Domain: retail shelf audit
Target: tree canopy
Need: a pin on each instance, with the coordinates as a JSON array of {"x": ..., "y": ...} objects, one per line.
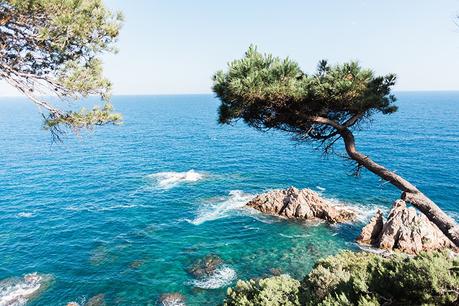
[
  {"x": 270, "y": 92},
  {"x": 52, "y": 48}
]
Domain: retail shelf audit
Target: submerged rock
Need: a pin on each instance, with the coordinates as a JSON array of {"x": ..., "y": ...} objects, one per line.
[
  {"x": 205, "y": 266},
  {"x": 97, "y": 300},
  {"x": 276, "y": 271},
  {"x": 304, "y": 204},
  {"x": 172, "y": 299},
  {"x": 405, "y": 230}
]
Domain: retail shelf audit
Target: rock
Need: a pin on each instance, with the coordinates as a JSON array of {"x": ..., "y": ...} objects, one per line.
[
  {"x": 302, "y": 204},
  {"x": 371, "y": 232},
  {"x": 275, "y": 271},
  {"x": 172, "y": 299},
  {"x": 406, "y": 230},
  {"x": 205, "y": 266},
  {"x": 136, "y": 264},
  {"x": 97, "y": 300}
]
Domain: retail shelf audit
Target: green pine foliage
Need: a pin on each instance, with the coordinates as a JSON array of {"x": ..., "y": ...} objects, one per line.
[
  {"x": 269, "y": 92},
  {"x": 52, "y": 48},
  {"x": 351, "y": 278}
]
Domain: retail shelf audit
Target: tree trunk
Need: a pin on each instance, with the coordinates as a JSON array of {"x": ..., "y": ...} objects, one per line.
[{"x": 409, "y": 192}]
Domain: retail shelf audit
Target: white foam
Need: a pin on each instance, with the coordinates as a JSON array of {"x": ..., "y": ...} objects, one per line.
[
  {"x": 453, "y": 215},
  {"x": 173, "y": 302},
  {"x": 320, "y": 188},
  {"x": 222, "y": 277},
  {"x": 25, "y": 215},
  {"x": 364, "y": 211},
  {"x": 213, "y": 211},
  {"x": 370, "y": 249},
  {"x": 168, "y": 180},
  {"x": 18, "y": 291}
]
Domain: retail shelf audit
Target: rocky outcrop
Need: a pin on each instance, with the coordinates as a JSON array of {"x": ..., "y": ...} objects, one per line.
[
  {"x": 205, "y": 266},
  {"x": 405, "y": 230},
  {"x": 304, "y": 204}
]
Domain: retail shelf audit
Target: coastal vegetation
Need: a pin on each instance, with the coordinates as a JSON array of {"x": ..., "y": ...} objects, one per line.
[
  {"x": 351, "y": 278},
  {"x": 268, "y": 92},
  {"x": 50, "y": 50}
]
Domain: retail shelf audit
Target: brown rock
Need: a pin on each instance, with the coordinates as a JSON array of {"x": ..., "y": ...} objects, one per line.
[
  {"x": 303, "y": 204},
  {"x": 406, "y": 230},
  {"x": 371, "y": 232}
]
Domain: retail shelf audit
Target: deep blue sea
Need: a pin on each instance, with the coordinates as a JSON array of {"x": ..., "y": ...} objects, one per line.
[{"x": 125, "y": 210}]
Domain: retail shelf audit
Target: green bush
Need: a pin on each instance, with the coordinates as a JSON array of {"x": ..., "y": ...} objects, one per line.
[
  {"x": 277, "y": 290},
  {"x": 360, "y": 279},
  {"x": 369, "y": 279}
]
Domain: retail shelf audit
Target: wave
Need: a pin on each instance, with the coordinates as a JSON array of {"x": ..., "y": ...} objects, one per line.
[
  {"x": 213, "y": 211},
  {"x": 222, "y": 277},
  {"x": 99, "y": 208},
  {"x": 322, "y": 189},
  {"x": 294, "y": 236},
  {"x": 168, "y": 180},
  {"x": 453, "y": 214},
  {"x": 18, "y": 291},
  {"x": 25, "y": 215}
]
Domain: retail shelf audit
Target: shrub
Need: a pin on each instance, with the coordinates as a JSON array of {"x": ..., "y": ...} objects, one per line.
[
  {"x": 276, "y": 290},
  {"x": 369, "y": 279},
  {"x": 351, "y": 278}
]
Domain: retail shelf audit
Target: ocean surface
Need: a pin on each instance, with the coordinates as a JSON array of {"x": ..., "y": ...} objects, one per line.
[{"x": 122, "y": 212}]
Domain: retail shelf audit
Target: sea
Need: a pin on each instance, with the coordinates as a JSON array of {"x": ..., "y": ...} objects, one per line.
[{"x": 121, "y": 213}]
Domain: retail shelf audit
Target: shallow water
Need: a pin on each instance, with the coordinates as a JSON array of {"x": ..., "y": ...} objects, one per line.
[{"x": 124, "y": 211}]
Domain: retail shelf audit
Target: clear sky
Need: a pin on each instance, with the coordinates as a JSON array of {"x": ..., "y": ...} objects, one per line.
[{"x": 173, "y": 47}]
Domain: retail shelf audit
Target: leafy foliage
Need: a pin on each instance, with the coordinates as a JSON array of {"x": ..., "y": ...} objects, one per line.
[
  {"x": 269, "y": 92},
  {"x": 427, "y": 279},
  {"x": 52, "y": 48},
  {"x": 361, "y": 279},
  {"x": 277, "y": 290}
]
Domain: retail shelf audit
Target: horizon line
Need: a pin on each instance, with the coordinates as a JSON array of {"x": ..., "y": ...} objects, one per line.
[{"x": 210, "y": 93}]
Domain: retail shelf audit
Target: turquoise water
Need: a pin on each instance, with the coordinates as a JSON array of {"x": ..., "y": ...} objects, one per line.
[{"x": 118, "y": 211}]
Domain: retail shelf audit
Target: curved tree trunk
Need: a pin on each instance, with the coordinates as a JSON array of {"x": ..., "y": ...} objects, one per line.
[{"x": 410, "y": 193}]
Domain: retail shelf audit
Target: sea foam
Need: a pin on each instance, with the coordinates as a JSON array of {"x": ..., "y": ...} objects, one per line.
[
  {"x": 25, "y": 215},
  {"x": 364, "y": 211},
  {"x": 18, "y": 291},
  {"x": 222, "y": 277},
  {"x": 213, "y": 211},
  {"x": 168, "y": 180}
]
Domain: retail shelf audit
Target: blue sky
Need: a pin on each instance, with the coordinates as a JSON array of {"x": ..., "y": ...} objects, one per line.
[{"x": 172, "y": 47}]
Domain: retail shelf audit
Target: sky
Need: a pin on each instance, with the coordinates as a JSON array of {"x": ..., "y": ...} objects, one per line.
[{"x": 174, "y": 47}]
